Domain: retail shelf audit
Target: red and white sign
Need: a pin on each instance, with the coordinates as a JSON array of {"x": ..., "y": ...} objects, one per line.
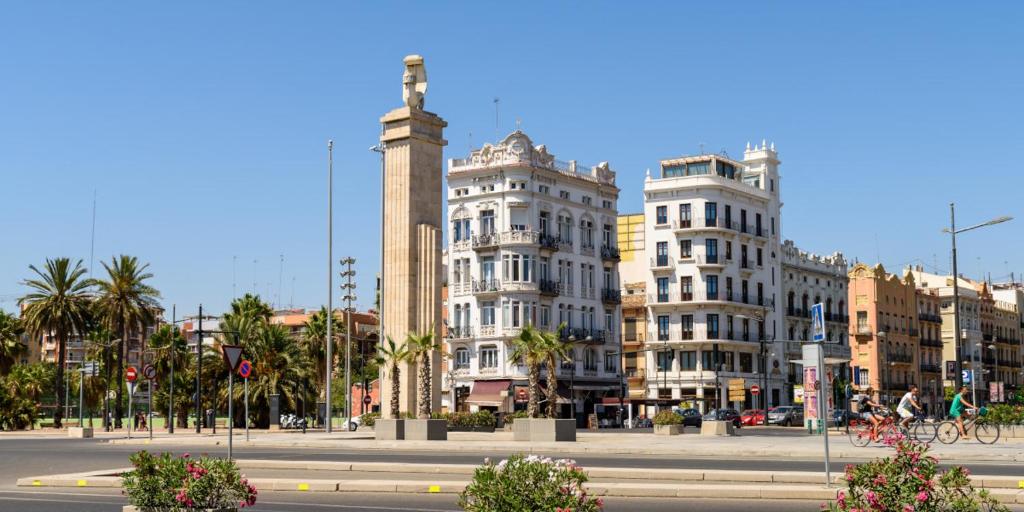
[
  {"x": 755, "y": 390},
  {"x": 131, "y": 374}
]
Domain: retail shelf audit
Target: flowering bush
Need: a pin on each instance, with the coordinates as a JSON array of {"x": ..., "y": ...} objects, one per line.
[
  {"x": 910, "y": 482},
  {"x": 668, "y": 418},
  {"x": 1003, "y": 414},
  {"x": 528, "y": 484},
  {"x": 170, "y": 483}
]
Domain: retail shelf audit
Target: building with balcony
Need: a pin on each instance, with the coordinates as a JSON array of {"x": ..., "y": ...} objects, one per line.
[
  {"x": 712, "y": 242},
  {"x": 531, "y": 241},
  {"x": 1010, "y": 326},
  {"x": 884, "y": 331},
  {"x": 930, "y": 339},
  {"x": 809, "y": 279}
]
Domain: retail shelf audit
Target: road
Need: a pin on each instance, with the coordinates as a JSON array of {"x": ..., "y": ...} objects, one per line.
[{"x": 31, "y": 457}]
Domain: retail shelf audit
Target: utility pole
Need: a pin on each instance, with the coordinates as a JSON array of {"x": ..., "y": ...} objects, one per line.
[
  {"x": 170, "y": 407},
  {"x": 957, "y": 349},
  {"x": 379, "y": 148},
  {"x": 330, "y": 280},
  {"x": 199, "y": 373},
  {"x": 349, "y": 296}
]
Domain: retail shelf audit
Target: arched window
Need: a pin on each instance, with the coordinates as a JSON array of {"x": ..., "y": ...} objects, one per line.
[
  {"x": 462, "y": 358},
  {"x": 828, "y": 307},
  {"x": 790, "y": 299},
  {"x": 805, "y": 306},
  {"x": 842, "y": 307}
]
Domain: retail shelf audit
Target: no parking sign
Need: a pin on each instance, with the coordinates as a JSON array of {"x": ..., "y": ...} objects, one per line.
[{"x": 245, "y": 369}]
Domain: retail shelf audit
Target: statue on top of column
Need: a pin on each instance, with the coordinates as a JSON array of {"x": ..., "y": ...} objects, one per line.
[{"x": 414, "y": 82}]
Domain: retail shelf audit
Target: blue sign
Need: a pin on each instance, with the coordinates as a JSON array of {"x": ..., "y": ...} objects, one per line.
[
  {"x": 967, "y": 375},
  {"x": 818, "y": 323}
]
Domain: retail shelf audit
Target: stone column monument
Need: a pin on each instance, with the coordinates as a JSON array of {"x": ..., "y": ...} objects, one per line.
[{"x": 413, "y": 144}]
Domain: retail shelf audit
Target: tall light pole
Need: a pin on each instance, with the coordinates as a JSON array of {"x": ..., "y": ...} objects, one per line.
[
  {"x": 330, "y": 277},
  {"x": 380, "y": 148},
  {"x": 953, "y": 231},
  {"x": 349, "y": 296}
]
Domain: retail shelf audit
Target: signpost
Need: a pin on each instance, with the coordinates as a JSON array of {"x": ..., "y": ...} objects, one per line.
[
  {"x": 149, "y": 372},
  {"x": 367, "y": 400},
  {"x": 245, "y": 370},
  {"x": 232, "y": 358},
  {"x": 818, "y": 331},
  {"x": 130, "y": 374},
  {"x": 755, "y": 390},
  {"x": 737, "y": 390}
]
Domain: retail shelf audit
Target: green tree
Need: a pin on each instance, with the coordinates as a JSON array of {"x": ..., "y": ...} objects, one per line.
[
  {"x": 314, "y": 344},
  {"x": 11, "y": 346},
  {"x": 421, "y": 346},
  {"x": 126, "y": 304},
  {"x": 32, "y": 381},
  {"x": 279, "y": 367},
  {"x": 393, "y": 355},
  {"x": 57, "y": 304},
  {"x": 553, "y": 351},
  {"x": 529, "y": 347},
  {"x": 171, "y": 346}
]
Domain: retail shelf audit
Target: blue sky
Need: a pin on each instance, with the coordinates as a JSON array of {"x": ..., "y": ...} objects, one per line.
[{"x": 202, "y": 126}]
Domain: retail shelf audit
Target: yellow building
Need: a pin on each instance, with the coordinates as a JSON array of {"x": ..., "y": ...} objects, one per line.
[{"x": 632, "y": 283}]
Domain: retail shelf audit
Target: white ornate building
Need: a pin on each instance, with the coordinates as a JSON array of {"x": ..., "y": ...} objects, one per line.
[
  {"x": 531, "y": 241},
  {"x": 712, "y": 238}
]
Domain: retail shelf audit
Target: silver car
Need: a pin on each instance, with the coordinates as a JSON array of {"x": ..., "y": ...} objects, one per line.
[{"x": 786, "y": 415}]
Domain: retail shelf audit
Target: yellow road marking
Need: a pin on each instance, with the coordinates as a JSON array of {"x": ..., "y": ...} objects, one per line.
[
  {"x": 1020, "y": 484},
  {"x": 303, "y": 487},
  {"x": 36, "y": 483},
  {"x": 434, "y": 488},
  {"x": 81, "y": 483}
]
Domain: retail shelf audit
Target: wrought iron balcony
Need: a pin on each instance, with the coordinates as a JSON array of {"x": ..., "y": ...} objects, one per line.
[
  {"x": 611, "y": 296},
  {"x": 550, "y": 288},
  {"x": 486, "y": 286},
  {"x": 456, "y": 332},
  {"x": 609, "y": 253}
]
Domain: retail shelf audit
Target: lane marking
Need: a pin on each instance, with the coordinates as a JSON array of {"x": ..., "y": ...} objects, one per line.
[
  {"x": 36, "y": 483},
  {"x": 434, "y": 488},
  {"x": 82, "y": 483},
  {"x": 303, "y": 487}
]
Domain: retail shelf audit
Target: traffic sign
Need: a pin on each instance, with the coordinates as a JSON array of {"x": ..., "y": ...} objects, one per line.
[
  {"x": 818, "y": 323},
  {"x": 755, "y": 390},
  {"x": 245, "y": 369},
  {"x": 149, "y": 371},
  {"x": 367, "y": 400},
  {"x": 131, "y": 374},
  {"x": 131, "y": 387},
  {"x": 232, "y": 355}
]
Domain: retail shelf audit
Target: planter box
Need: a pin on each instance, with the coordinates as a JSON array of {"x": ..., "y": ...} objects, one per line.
[
  {"x": 133, "y": 508},
  {"x": 716, "y": 428},
  {"x": 388, "y": 430},
  {"x": 426, "y": 430},
  {"x": 80, "y": 432},
  {"x": 668, "y": 430},
  {"x": 544, "y": 430},
  {"x": 470, "y": 429}
]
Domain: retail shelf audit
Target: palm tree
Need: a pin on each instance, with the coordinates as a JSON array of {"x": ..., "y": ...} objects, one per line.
[
  {"x": 421, "y": 346},
  {"x": 529, "y": 347},
  {"x": 58, "y": 304},
  {"x": 314, "y": 338},
  {"x": 393, "y": 356},
  {"x": 126, "y": 302},
  {"x": 171, "y": 346},
  {"x": 279, "y": 367},
  {"x": 32, "y": 381},
  {"x": 10, "y": 341},
  {"x": 553, "y": 351}
]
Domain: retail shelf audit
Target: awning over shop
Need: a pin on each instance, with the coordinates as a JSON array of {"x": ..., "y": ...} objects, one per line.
[{"x": 488, "y": 392}]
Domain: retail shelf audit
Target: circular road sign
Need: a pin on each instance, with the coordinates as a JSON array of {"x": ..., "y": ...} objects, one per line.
[
  {"x": 149, "y": 371},
  {"x": 131, "y": 374},
  {"x": 367, "y": 400},
  {"x": 245, "y": 368},
  {"x": 755, "y": 389}
]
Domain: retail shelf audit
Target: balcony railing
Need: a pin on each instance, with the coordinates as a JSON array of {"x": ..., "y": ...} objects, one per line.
[
  {"x": 931, "y": 368},
  {"x": 797, "y": 312},
  {"x": 549, "y": 242},
  {"x": 901, "y": 358},
  {"x": 609, "y": 253},
  {"x": 486, "y": 286},
  {"x": 928, "y": 317},
  {"x": 549, "y": 287},
  {"x": 580, "y": 335},
  {"x": 986, "y": 337},
  {"x": 457, "y": 332},
  {"x": 928, "y": 342},
  {"x": 661, "y": 262},
  {"x": 913, "y": 331},
  {"x": 611, "y": 296},
  {"x": 484, "y": 241},
  {"x": 864, "y": 330}
]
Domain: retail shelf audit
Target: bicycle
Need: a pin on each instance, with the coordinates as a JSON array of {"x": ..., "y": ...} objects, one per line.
[
  {"x": 920, "y": 430},
  {"x": 860, "y": 434},
  {"x": 985, "y": 433}
]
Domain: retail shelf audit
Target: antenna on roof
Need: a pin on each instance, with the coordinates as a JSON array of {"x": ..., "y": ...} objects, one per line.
[
  {"x": 701, "y": 148},
  {"x": 497, "y": 136}
]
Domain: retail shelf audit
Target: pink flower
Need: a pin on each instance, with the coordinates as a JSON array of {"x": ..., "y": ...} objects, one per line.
[
  {"x": 880, "y": 480},
  {"x": 185, "y": 455},
  {"x": 841, "y": 499},
  {"x": 908, "y": 508},
  {"x": 872, "y": 498},
  {"x": 922, "y": 496}
]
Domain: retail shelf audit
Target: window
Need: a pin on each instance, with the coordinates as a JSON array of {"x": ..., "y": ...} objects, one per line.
[
  {"x": 757, "y": 224},
  {"x": 760, "y": 294},
  {"x": 663, "y": 328},
  {"x": 462, "y": 358},
  {"x": 487, "y": 222},
  {"x": 545, "y": 219},
  {"x": 728, "y": 288},
  {"x": 544, "y": 189},
  {"x": 725, "y": 170},
  {"x": 707, "y": 360},
  {"x": 743, "y": 292},
  {"x": 586, "y": 200},
  {"x": 606, "y": 204},
  {"x": 862, "y": 321},
  {"x": 728, "y": 327},
  {"x": 728, "y": 216},
  {"x": 662, "y": 289},
  {"x": 661, "y": 215},
  {"x": 710, "y": 214},
  {"x": 864, "y": 377},
  {"x": 590, "y": 359},
  {"x": 545, "y": 316},
  {"x": 746, "y": 362},
  {"x": 685, "y": 249},
  {"x": 587, "y": 233},
  {"x": 488, "y": 356},
  {"x": 728, "y": 250},
  {"x": 711, "y": 283},
  {"x": 686, "y": 321},
  {"x": 665, "y": 360},
  {"x": 564, "y": 194},
  {"x": 662, "y": 254},
  {"x": 688, "y": 360},
  {"x": 685, "y": 219},
  {"x": 760, "y": 261},
  {"x": 685, "y": 287},
  {"x": 609, "y": 362},
  {"x": 569, "y": 363},
  {"x": 712, "y": 325},
  {"x": 565, "y": 228},
  {"x": 606, "y": 236},
  {"x": 629, "y": 329},
  {"x": 711, "y": 250},
  {"x": 487, "y": 313},
  {"x": 745, "y": 328},
  {"x": 673, "y": 171},
  {"x": 743, "y": 221},
  {"x": 697, "y": 168}
]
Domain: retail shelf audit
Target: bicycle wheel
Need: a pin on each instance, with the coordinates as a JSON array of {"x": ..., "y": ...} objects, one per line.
[
  {"x": 924, "y": 432},
  {"x": 861, "y": 435},
  {"x": 947, "y": 432},
  {"x": 986, "y": 433}
]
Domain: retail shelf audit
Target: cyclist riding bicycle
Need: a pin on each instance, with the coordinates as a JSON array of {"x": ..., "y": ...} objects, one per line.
[
  {"x": 909, "y": 400},
  {"x": 867, "y": 411},
  {"x": 957, "y": 409}
]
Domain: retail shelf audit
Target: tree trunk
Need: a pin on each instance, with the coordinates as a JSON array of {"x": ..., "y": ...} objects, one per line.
[
  {"x": 533, "y": 405},
  {"x": 396, "y": 387},
  {"x": 58, "y": 414},
  {"x": 552, "y": 389},
  {"x": 119, "y": 400},
  {"x": 424, "y": 391}
]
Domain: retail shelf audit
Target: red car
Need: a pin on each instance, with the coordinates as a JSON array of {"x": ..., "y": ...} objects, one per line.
[{"x": 751, "y": 417}]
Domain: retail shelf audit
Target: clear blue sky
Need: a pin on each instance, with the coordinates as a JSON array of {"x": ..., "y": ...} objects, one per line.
[{"x": 203, "y": 125}]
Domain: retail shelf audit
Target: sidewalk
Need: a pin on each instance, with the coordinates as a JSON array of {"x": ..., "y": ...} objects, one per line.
[{"x": 749, "y": 444}]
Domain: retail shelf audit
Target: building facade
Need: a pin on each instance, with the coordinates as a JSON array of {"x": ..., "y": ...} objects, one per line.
[
  {"x": 532, "y": 241},
  {"x": 930, "y": 321},
  {"x": 1010, "y": 299},
  {"x": 712, "y": 242},
  {"x": 633, "y": 285}
]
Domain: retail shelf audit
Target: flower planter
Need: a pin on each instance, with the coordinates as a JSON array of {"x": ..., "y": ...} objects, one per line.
[
  {"x": 463, "y": 428},
  {"x": 716, "y": 428},
  {"x": 388, "y": 430},
  {"x": 544, "y": 430},
  {"x": 668, "y": 430},
  {"x": 133, "y": 508}
]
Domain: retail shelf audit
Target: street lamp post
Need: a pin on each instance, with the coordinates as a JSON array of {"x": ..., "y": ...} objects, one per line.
[
  {"x": 349, "y": 288},
  {"x": 953, "y": 231},
  {"x": 330, "y": 281},
  {"x": 380, "y": 148}
]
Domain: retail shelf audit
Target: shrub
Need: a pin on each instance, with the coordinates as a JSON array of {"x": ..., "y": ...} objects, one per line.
[
  {"x": 169, "y": 483},
  {"x": 910, "y": 482},
  {"x": 1003, "y": 414},
  {"x": 368, "y": 419},
  {"x": 509, "y": 418},
  {"x": 668, "y": 418},
  {"x": 528, "y": 484},
  {"x": 483, "y": 418},
  {"x": 16, "y": 413}
]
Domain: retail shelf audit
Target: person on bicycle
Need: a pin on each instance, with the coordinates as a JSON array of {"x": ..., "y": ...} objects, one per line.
[
  {"x": 956, "y": 410},
  {"x": 867, "y": 410},
  {"x": 908, "y": 401}
]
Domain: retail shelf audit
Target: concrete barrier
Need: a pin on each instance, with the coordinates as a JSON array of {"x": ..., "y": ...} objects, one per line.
[
  {"x": 668, "y": 430},
  {"x": 426, "y": 430},
  {"x": 80, "y": 432},
  {"x": 716, "y": 428},
  {"x": 388, "y": 430}
]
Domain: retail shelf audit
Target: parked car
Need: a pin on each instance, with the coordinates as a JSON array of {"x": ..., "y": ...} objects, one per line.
[
  {"x": 786, "y": 415},
  {"x": 751, "y": 417},
  {"x": 691, "y": 417},
  {"x": 724, "y": 415}
]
